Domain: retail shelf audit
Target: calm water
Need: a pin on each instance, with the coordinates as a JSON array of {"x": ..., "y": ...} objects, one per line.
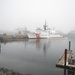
[{"x": 36, "y": 57}]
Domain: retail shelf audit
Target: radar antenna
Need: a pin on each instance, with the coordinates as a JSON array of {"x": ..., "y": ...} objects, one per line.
[{"x": 45, "y": 26}]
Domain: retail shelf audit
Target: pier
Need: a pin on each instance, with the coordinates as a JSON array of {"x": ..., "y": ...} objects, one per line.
[{"x": 66, "y": 60}]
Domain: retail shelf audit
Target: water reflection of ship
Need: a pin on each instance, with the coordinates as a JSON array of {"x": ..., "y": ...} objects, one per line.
[
  {"x": 38, "y": 44},
  {"x": 44, "y": 49},
  {"x": 43, "y": 44},
  {"x": 25, "y": 42}
]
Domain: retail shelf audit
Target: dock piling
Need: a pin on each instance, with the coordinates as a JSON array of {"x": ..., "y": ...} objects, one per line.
[
  {"x": 69, "y": 45},
  {"x": 65, "y": 57}
]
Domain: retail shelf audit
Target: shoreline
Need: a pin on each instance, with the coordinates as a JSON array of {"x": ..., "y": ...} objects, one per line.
[{"x": 4, "y": 71}]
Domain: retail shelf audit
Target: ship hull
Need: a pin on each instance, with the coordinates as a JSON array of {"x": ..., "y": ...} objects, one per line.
[
  {"x": 38, "y": 36},
  {"x": 31, "y": 36}
]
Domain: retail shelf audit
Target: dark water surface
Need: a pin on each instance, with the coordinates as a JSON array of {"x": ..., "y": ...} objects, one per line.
[{"x": 36, "y": 57}]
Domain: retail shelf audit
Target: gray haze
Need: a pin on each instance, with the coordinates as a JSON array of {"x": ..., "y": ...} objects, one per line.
[{"x": 32, "y": 14}]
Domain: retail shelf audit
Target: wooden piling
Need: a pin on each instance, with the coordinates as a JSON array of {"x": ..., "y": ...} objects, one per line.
[
  {"x": 64, "y": 71},
  {"x": 69, "y": 45},
  {"x": 65, "y": 57}
]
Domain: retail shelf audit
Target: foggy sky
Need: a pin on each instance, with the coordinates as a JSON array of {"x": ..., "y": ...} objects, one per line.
[{"x": 59, "y": 14}]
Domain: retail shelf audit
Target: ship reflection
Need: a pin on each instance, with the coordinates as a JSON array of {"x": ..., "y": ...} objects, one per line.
[
  {"x": 44, "y": 49},
  {"x": 43, "y": 44},
  {"x": 69, "y": 72},
  {"x": 38, "y": 44}
]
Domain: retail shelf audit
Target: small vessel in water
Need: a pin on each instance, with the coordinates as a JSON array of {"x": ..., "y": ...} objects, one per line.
[{"x": 44, "y": 33}]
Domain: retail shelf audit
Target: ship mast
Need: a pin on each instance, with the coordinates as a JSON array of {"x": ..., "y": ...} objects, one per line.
[{"x": 45, "y": 26}]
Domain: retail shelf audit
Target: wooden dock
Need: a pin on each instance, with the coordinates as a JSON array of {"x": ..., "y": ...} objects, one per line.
[{"x": 67, "y": 62}]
